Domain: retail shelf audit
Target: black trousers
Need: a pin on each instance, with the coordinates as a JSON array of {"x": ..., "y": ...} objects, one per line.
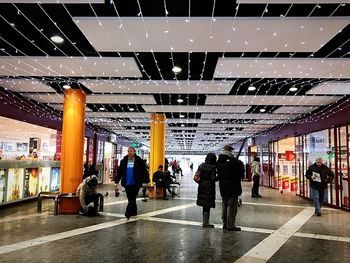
[
  {"x": 255, "y": 189},
  {"x": 94, "y": 199},
  {"x": 131, "y": 194}
]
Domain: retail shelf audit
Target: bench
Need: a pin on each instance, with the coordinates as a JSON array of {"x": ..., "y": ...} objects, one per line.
[
  {"x": 155, "y": 192},
  {"x": 45, "y": 195},
  {"x": 58, "y": 197}
]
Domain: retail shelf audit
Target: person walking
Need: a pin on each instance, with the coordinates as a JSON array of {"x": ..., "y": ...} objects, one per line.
[
  {"x": 206, "y": 187},
  {"x": 133, "y": 173},
  {"x": 255, "y": 169},
  {"x": 319, "y": 175},
  {"x": 230, "y": 171}
]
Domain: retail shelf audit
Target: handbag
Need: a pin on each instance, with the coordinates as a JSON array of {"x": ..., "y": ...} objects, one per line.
[{"x": 197, "y": 176}]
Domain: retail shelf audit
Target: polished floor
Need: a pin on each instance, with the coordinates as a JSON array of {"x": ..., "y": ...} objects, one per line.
[{"x": 276, "y": 228}]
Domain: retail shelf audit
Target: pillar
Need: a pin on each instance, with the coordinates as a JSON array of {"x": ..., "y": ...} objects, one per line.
[
  {"x": 157, "y": 144},
  {"x": 73, "y": 128}
]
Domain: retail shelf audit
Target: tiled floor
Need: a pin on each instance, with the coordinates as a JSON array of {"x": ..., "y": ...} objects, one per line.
[{"x": 276, "y": 228}]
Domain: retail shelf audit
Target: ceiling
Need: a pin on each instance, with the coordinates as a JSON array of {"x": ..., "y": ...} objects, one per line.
[{"x": 121, "y": 54}]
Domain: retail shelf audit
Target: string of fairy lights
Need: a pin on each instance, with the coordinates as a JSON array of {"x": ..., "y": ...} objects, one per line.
[{"x": 31, "y": 107}]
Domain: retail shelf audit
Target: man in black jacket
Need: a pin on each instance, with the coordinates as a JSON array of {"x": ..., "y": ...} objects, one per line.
[
  {"x": 133, "y": 173},
  {"x": 230, "y": 171},
  {"x": 319, "y": 175}
]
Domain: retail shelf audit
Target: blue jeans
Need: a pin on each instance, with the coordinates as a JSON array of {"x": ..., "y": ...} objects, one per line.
[{"x": 317, "y": 196}]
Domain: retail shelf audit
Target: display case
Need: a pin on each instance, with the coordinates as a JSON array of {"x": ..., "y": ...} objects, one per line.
[{"x": 24, "y": 179}]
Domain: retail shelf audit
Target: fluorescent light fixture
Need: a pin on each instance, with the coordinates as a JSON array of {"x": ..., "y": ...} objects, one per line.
[
  {"x": 66, "y": 86},
  {"x": 262, "y": 110},
  {"x": 180, "y": 100},
  {"x": 251, "y": 88},
  {"x": 293, "y": 89},
  {"x": 57, "y": 39},
  {"x": 182, "y": 116},
  {"x": 102, "y": 108},
  {"x": 176, "y": 69},
  {"x": 131, "y": 109}
]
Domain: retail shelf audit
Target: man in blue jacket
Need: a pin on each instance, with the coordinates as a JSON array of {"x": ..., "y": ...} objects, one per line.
[
  {"x": 319, "y": 175},
  {"x": 133, "y": 173}
]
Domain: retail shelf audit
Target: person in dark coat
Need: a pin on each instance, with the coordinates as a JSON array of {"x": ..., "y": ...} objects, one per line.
[
  {"x": 230, "y": 172},
  {"x": 133, "y": 173},
  {"x": 319, "y": 175},
  {"x": 206, "y": 187}
]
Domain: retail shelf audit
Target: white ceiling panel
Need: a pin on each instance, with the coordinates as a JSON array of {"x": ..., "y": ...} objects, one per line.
[
  {"x": 272, "y": 122},
  {"x": 59, "y": 107},
  {"x": 121, "y": 99},
  {"x": 291, "y": 1},
  {"x": 231, "y": 125},
  {"x": 270, "y": 100},
  {"x": 25, "y": 85},
  {"x": 69, "y": 66},
  {"x": 282, "y": 68},
  {"x": 188, "y": 121},
  {"x": 295, "y": 110},
  {"x": 54, "y": 98},
  {"x": 171, "y": 87},
  {"x": 337, "y": 88},
  {"x": 258, "y": 116},
  {"x": 53, "y": 1},
  {"x": 118, "y": 115},
  {"x": 180, "y": 34},
  {"x": 199, "y": 109}
]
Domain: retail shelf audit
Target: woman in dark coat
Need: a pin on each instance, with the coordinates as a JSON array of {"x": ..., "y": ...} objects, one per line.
[{"x": 206, "y": 187}]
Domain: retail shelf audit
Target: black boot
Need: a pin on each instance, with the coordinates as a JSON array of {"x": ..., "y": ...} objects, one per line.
[{"x": 206, "y": 224}]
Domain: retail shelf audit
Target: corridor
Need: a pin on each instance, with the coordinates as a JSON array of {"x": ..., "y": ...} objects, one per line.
[{"x": 276, "y": 228}]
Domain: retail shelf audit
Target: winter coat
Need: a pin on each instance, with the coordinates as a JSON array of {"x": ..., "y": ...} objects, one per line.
[
  {"x": 206, "y": 186},
  {"x": 230, "y": 171},
  {"x": 84, "y": 189},
  {"x": 141, "y": 174},
  {"x": 326, "y": 175},
  {"x": 255, "y": 168}
]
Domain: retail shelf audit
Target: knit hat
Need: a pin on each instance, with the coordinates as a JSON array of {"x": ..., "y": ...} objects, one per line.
[{"x": 228, "y": 147}]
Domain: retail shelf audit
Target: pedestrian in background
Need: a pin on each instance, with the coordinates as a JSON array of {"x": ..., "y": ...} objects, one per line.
[
  {"x": 320, "y": 176},
  {"x": 206, "y": 187},
  {"x": 230, "y": 172}
]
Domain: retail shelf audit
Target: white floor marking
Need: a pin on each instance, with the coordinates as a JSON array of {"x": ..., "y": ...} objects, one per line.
[
  {"x": 20, "y": 217},
  {"x": 83, "y": 230},
  {"x": 271, "y": 244},
  {"x": 195, "y": 223},
  {"x": 58, "y": 236},
  {"x": 324, "y": 237},
  {"x": 112, "y": 214}
]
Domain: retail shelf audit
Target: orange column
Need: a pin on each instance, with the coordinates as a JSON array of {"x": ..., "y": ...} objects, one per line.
[
  {"x": 73, "y": 129},
  {"x": 157, "y": 143}
]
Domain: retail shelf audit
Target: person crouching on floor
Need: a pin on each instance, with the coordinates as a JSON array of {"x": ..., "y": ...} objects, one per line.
[{"x": 88, "y": 197}]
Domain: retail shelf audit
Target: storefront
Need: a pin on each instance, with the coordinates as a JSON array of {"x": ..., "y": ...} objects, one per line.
[
  {"x": 290, "y": 158},
  {"x": 28, "y": 162}
]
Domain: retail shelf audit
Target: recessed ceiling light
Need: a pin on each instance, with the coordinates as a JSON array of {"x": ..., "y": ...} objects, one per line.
[
  {"x": 180, "y": 100},
  {"x": 57, "y": 39},
  {"x": 101, "y": 108},
  {"x": 66, "y": 86},
  {"x": 251, "y": 88},
  {"x": 176, "y": 69},
  {"x": 262, "y": 110},
  {"x": 293, "y": 89}
]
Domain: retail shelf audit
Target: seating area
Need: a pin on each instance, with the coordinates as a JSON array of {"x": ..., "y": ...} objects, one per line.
[{"x": 59, "y": 197}]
